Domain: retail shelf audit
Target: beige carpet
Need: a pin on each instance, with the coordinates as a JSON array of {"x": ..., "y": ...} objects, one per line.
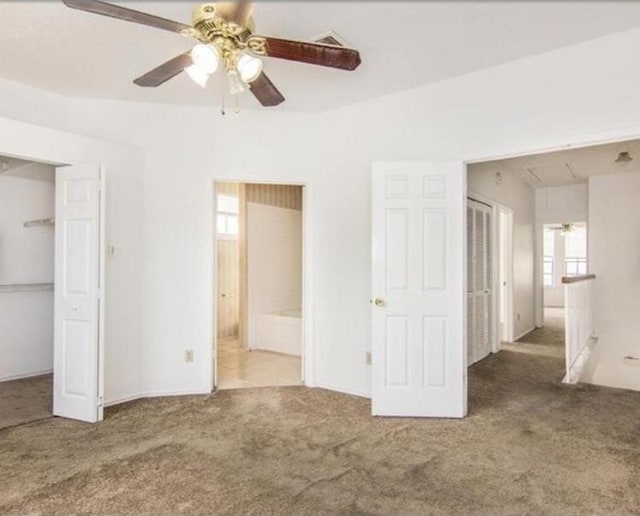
[
  {"x": 529, "y": 446},
  {"x": 25, "y": 400},
  {"x": 546, "y": 341}
]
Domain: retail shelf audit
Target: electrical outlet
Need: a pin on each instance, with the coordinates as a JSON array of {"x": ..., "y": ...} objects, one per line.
[
  {"x": 188, "y": 355},
  {"x": 367, "y": 359},
  {"x": 518, "y": 317}
]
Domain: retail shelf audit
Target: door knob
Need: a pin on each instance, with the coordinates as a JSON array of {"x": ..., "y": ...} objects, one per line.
[{"x": 379, "y": 302}]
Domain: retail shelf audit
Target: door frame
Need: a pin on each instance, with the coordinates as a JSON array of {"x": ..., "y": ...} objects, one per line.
[
  {"x": 505, "y": 295},
  {"x": 49, "y": 159},
  {"x": 602, "y": 138},
  {"x": 308, "y": 349}
]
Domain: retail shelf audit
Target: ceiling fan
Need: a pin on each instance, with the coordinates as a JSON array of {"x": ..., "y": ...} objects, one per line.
[
  {"x": 225, "y": 35},
  {"x": 564, "y": 228}
]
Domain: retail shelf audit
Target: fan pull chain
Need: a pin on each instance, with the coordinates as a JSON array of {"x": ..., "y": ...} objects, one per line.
[
  {"x": 222, "y": 96},
  {"x": 236, "y": 108}
]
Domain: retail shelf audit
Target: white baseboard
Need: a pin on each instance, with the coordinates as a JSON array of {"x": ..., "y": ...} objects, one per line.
[
  {"x": 154, "y": 394},
  {"x": 25, "y": 375},
  {"x": 160, "y": 394},
  {"x": 526, "y": 332},
  {"x": 342, "y": 390},
  {"x": 575, "y": 370}
]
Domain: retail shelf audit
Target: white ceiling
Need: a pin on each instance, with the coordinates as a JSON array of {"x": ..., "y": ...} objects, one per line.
[
  {"x": 403, "y": 45},
  {"x": 566, "y": 167}
]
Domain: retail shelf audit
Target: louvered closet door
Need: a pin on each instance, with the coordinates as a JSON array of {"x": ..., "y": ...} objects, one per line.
[{"x": 479, "y": 281}]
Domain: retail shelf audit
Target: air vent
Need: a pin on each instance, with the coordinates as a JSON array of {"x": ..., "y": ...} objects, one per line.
[{"x": 330, "y": 38}]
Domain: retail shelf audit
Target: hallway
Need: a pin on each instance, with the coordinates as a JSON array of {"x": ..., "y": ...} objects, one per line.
[{"x": 547, "y": 341}]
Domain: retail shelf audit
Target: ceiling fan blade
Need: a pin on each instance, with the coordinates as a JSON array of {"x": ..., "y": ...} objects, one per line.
[
  {"x": 236, "y": 12},
  {"x": 124, "y": 13},
  {"x": 265, "y": 91},
  {"x": 165, "y": 71},
  {"x": 313, "y": 53}
]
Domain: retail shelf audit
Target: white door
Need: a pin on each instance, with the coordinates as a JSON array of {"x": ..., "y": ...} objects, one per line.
[
  {"x": 479, "y": 281},
  {"x": 505, "y": 273},
  {"x": 78, "y": 306},
  {"x": 418, "y": 345}
]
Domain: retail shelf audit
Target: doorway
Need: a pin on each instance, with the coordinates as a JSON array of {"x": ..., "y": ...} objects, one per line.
[
  {"x": 259, "y": 339},
  {"x": 27, "y": 197},
  {"x": 505, "y": 275}
]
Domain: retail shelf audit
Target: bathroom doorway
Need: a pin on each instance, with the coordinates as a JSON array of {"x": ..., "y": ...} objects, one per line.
[{"x": 259, "y": 285}]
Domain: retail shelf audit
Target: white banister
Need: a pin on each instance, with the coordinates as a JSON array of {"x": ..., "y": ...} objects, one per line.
[{"x": 579, "y": 330}]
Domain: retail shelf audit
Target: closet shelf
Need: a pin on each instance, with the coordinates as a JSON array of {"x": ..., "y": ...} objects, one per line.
[
  {"x": 49, "y": 222},
  {"x": 25, "y": 287}
]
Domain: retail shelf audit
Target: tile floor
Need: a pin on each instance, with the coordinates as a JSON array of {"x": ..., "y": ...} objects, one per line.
[{"x": 238, "y": 368}]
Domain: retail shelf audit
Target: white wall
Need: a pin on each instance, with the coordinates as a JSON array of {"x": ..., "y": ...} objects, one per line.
[
  {"x": 582, "y": 93},
  {"x": 124, "y": 326},
  {"x": 513, "y": 193},
  {"x": 614, "y": 251},
  {"x": 26, "y": 256},
  {"x": 556, "y": 205},
  {"x": 274, "y": 264},
  {"x": 28, "y": 104},
  {"x": 554, "y": 296}
]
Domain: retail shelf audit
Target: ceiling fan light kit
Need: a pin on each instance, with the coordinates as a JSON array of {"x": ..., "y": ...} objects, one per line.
[{"x": 225, "y": 35}]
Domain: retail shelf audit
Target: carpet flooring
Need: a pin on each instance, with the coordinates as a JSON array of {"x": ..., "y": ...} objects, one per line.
[
  {"x": 530, "y": 445},
  {"x": 25, "y": 400}
]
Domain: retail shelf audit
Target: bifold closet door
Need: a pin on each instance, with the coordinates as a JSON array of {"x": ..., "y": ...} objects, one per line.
[
  {"x": 479, "y": 280},
  {"x": 79, "y": 293}
]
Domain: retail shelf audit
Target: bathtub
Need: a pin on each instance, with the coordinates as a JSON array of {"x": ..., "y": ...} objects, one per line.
[{"x": 280, "y": 332}]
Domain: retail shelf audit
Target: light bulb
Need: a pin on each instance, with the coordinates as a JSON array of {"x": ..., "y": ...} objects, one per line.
[
  {"x": 249, "y": 68},
  {"x": 205, "y": 62}
]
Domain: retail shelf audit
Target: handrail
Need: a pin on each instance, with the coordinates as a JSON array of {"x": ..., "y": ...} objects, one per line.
[{"x": 567, "y": 280}]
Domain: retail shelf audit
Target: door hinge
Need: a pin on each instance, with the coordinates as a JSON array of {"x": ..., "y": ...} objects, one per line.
[{"x": 100, "y": 401}]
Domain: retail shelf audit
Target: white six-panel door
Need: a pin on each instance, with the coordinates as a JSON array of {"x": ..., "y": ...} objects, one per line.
[
  {"x": 78, "y": 305},
  {"x": 418, "y": 347}
]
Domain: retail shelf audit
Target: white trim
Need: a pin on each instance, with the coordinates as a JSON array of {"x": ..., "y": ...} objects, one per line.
[
  {"x": 526, "y": 332},
  {"x": 342, "y": 390},
  {"x": 307, "y": 371},
  {"x": 509, "y": 328},
  {"x": 154, "y": 394},
  {"x": 575, "y": 370},
  {"x": 20, "y": 376}
]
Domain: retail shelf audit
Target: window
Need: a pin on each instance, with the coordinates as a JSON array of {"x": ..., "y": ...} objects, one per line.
[
  {"x": 227, "y": 216},
  {"x": 575, "y": 245},
  {"x": 547, "y": 259}
]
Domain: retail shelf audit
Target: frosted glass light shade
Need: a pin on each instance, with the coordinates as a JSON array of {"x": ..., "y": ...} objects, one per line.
[
  {"x": 197, "y": 75},
  {"x": 235, "y": 84},
  {"x": 249, "y": 68},
  {"x": 205, "y": 62}
]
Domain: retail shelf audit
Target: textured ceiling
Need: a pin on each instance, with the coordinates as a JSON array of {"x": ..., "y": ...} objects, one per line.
[
  {"x": 568, "y": 166},
  {"x": 403, "y": 45}
]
